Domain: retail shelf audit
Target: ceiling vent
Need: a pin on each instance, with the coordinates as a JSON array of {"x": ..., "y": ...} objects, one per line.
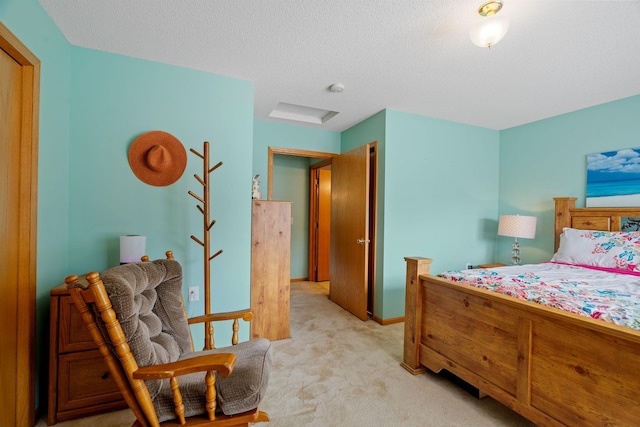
[{"x": 301, "y": 113}]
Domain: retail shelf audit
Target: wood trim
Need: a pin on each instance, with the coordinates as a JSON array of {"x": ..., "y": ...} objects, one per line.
[
  {"x": 303, "y": 153},
  {"x": 28, "y": 210},
  {"x": 385, "y": 322},
  {"x": 289, "y": 152},
  {"x": 416, "y": 266},
  {"x": 312, "y": 260},
  {"x": 373, "y": 226},
  {"x": 54, "y": 316},
  {"x": 270, "y": 173},
  {"x": 313, "y": 207},
  {"x": 322, "y": 164},
  {"x": 563, "y": 217}
]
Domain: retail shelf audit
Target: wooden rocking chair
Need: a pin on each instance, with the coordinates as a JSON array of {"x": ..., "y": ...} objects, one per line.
[{"x": 135, "y": 313}]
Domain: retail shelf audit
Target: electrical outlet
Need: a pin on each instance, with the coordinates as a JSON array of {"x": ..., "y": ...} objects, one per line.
[
  {"x": 194, "y": 293},
  {"x": 468, "y": 266}
]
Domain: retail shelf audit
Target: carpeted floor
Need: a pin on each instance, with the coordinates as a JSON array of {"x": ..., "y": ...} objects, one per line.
[{"x": 337, "y": 370}]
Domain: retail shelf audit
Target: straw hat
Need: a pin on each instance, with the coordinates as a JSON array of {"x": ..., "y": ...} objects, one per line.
[{"x": 157, "y": 158}]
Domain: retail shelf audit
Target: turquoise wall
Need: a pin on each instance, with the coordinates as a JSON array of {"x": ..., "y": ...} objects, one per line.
[
  {"x": 291, "y": 177},
  {"x": 437, "y": 196},
  {"x": 114, "y": 100},
  {"x": 441, "y": 197},
  {"x": 548, "y": 158},
  {"x": 27, "y": 20}
]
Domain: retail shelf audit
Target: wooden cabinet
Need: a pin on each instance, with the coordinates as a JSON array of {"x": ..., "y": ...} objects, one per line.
[
  {"x": 80, "y": 383},
  {"x": 270, "y": 269}
]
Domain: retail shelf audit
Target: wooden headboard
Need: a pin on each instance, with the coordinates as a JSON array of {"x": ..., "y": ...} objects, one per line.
[{"x": 605, "y": 219}]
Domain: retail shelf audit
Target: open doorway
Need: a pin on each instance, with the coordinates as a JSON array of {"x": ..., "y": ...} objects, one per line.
[
  {"x": 281, "y": 162},
  {"x": 315, "y": 263}
]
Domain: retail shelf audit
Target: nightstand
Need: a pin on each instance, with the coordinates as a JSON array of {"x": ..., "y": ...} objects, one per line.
[
  {"x": 493, "y": 265},
  {"x": 80, "y": 383}
]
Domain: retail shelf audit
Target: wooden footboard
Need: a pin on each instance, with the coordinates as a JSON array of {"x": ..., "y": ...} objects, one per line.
[{"x": 552, "y": 367}]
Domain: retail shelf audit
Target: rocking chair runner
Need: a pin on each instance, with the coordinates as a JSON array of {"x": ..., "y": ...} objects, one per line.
[{"x": 135, "y": 314}]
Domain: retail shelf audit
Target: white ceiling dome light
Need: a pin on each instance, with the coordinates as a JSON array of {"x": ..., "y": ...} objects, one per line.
[{"x": 491, "y": 29}]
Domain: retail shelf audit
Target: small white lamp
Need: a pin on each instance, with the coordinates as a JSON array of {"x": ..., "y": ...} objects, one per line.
[
  {"x": 517, "y": 226},
  {"x": 132, "y": 248}
]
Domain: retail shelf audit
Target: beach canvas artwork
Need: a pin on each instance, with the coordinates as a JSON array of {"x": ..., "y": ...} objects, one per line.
[{"x": 613, "y": 179}]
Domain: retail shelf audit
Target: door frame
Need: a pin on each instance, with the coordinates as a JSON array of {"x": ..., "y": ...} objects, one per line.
[
  {"x": 272, "y": 151},
  {"x": 313, "y": 217},
  {"x": 27, "y": 170},
  {"x": 289, "y": 152},
  {"x": 373, "y": 229}
]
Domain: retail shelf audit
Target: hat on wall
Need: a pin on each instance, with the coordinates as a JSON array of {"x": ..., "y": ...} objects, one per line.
[{"x": 157, "y": 158}]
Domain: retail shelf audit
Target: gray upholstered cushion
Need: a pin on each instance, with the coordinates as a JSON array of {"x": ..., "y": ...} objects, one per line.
[
  {"x": 239, "y": 392},
  {"x": 147, "y": 298}
]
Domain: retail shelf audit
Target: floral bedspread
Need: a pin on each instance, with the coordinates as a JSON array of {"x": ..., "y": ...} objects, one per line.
[{"x": 611, "y": 297}]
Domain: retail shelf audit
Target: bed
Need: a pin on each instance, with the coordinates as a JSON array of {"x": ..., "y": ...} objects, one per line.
[{"x": 551, "y": 366}]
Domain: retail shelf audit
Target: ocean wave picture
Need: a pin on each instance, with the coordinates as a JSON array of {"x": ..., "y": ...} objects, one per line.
[{"x": 613, "y": 178}]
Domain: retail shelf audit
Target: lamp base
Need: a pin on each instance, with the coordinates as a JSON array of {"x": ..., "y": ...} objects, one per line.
[{"x": 515, "y": 252}]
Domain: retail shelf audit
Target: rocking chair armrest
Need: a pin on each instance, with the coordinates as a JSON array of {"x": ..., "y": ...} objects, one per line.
[
  {"x": 222, "y": 363},
  {"x": 245, "y": 315}
]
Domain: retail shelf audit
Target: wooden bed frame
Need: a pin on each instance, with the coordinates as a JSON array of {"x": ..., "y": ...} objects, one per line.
[{"x": 552, "y": 367}]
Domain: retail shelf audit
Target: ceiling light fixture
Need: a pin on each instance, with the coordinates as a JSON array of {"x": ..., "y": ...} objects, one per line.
[{"x": 491, "y": 29}]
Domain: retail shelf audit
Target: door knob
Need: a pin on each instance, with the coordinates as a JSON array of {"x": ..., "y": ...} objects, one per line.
[{"x": 362, "y": 241}]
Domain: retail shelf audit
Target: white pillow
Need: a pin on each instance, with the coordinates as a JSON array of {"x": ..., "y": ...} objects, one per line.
[{"x": 611, "y": 249}]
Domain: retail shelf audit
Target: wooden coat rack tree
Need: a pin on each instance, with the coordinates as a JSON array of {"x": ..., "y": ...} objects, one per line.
[{"x": 205, "y": 209}]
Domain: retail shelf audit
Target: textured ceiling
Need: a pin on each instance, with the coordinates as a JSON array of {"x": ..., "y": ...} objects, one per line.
[{"x": 409, "y": 55}]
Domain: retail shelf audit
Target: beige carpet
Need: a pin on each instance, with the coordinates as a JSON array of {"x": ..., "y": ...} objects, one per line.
[{"x": 337, "y": 370}]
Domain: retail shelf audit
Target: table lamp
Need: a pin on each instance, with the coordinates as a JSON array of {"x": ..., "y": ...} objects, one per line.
[
  {"x": 517, "y": 226},
  {"x": 132, "y": 248}
]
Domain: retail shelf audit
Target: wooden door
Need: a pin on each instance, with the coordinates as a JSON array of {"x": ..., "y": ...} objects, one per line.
[
  {"x": 323, "y": 241},
  {"x": 350, "y": 230},
  {"x": 19, "y": 76}
]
